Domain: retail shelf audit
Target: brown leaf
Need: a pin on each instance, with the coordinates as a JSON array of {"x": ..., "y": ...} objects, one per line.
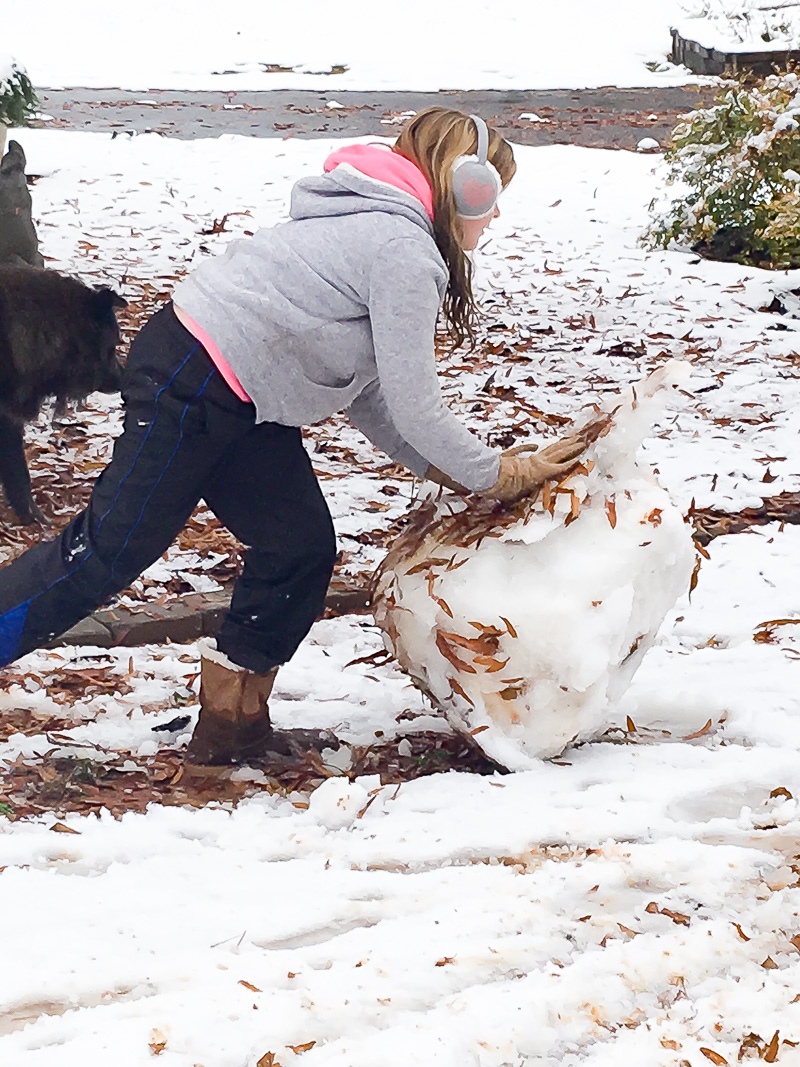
[
  {"x": 699, "y": 733},
  {"x": 575, "y": 506},
  {"x": 715, "y": 1057},
  {"x": 445, "y": 960},
  {"x": 478, "y": 730},
  {"x": 491, "y": 631},
  {"x": 249, "y": 985},
  {"x": 302, "y": 1048},
  {"x": 677, "y": 917},
  {"x": 443, "y": 605},
  {"x": 451, "y": 657},
  {"x": 157, "y": 1042},
  {"x": 667, "y": 1043},
  {"x": 652, "y": 908},
  {"x": 631, "y": 725},
  {"x": 483, "y": 644},
  {"x": 611, "y": 511},
  {"x": 769, "y": 964},
  {"x": 456, "y": 688},
  {"x": 268, "y": 1060},
  {"x": 61, "y": 828},
  {"x": 740, "y": 932},
  {"x": 491, "y": 663},
  {"x": 771, "y": 1053},
  {"x": 509, "y": 627},
  {"x": 781, "y": 791}
]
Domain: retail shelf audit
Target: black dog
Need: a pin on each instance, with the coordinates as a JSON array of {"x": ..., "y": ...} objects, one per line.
[
  {"x": 18, "y": 241},
  {"x": 58, "y": 338}
]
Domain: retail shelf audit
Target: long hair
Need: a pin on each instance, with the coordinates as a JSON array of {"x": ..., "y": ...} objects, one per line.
[{"x": 433, "y": 140}]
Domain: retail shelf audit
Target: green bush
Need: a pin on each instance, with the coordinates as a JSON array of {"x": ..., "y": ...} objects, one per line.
[
  {"x": 737, "y": 168},
  {"x": 18, "y": 101}
]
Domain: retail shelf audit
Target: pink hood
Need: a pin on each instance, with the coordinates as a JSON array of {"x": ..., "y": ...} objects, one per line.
[{"x": 380, "y": 163}]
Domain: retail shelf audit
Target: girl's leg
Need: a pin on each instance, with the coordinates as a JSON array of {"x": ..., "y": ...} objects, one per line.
[
  {"x": 266, "y": 493},
  {"x": 179, "y": 418}
]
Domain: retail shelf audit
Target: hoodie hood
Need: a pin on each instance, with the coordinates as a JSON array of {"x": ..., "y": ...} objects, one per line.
[
  {"x": 362, "y": 178},
  {"x": 384, "y": 165}
]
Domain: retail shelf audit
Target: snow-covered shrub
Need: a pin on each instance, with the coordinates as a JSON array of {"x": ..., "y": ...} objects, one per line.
[
  {"x": 18, "y": 101},
  {"x": 525, "y": 624},
  {"x": 737, "y": 168}
]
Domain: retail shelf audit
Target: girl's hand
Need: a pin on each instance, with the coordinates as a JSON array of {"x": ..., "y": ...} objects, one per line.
[{"x": 523, "y": 474}]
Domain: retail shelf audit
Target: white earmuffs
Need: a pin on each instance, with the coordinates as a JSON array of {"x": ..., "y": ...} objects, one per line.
[{"x": 476, "y": 183}]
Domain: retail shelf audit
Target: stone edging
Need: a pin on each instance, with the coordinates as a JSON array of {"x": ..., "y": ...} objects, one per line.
[
  {"x": 185, "y": 618},
  {"x": 702, "y": 60}
]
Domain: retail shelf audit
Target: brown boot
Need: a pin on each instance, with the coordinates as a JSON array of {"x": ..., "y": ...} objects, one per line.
[{"x": 234, "y": 723}]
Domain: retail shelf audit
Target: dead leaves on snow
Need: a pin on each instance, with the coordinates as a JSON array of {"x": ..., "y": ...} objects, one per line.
[
  {"x": 677, "y": 917},
  {"x": 269, "y": 1059}
]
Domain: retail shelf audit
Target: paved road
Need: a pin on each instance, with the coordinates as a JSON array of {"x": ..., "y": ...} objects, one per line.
[{"x": 612, "y": 118}]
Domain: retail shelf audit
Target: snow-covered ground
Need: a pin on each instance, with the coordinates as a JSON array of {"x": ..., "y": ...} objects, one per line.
[
  {"x": 472, "y": 44},
  {"x": 636, "y": 902},
  {"x": 741, "y": 25}
]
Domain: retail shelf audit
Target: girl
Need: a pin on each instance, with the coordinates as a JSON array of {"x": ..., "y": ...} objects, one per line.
[{"x": 335, "y": 309}]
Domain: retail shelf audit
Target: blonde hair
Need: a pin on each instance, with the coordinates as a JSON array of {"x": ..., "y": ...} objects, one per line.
[{"x": 433, "y": 140}]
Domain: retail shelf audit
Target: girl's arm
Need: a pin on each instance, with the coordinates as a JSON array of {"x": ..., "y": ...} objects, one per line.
[
  {"x": 370, "y": 414},
  {"x": 404, "y": 297}
]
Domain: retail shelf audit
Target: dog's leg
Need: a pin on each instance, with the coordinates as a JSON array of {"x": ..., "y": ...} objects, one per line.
[{"x": 14, "y": 475}]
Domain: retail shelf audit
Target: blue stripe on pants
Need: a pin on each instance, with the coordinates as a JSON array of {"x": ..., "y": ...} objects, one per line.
[{"x": 11, "y": 626}]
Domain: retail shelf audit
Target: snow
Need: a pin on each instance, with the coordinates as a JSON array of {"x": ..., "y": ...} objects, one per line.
[
  {"x": 616, "y": 906},
  {"x": 8, "y": 68},
  {"x": 587, "y": 573},
  {"x": 471, "y": 44},
  {"x": 741, "y": 25}
]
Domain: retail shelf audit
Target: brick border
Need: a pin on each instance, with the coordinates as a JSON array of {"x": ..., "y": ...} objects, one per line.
[
  {"x": 185, "y": 619},
  {"x": 702, "y": 60}
]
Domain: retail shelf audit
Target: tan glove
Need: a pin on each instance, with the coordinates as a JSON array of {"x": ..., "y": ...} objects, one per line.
[{"x": 523, "y": 474}]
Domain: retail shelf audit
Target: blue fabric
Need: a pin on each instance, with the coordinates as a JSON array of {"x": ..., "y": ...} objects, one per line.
[{"x": 11, "y": 626}]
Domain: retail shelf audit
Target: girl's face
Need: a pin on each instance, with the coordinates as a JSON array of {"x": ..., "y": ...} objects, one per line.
[{"x": 471, "y": 229}]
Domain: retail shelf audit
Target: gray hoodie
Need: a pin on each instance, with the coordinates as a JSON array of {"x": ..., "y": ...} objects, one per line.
[{"x": 336, "y": 310}]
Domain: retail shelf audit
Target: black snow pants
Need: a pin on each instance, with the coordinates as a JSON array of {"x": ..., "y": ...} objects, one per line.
[{"x": 186, "y": 437}]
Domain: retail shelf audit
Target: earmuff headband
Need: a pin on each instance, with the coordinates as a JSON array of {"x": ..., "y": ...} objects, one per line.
[
  {"x": 483, "y": 138},
  {"x": 476, "y": 183}
]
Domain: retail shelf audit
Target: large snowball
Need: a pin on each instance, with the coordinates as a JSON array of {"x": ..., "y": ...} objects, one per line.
[{"x": 526, "y": 625}]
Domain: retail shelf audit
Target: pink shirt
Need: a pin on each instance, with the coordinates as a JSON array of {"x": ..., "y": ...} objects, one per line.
[{"x": 214, "y": 353}]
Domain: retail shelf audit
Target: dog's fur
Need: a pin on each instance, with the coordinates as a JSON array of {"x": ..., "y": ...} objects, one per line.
[
  {"x": 58, "y": 338},
  {"x": 18, "y": 241}
]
